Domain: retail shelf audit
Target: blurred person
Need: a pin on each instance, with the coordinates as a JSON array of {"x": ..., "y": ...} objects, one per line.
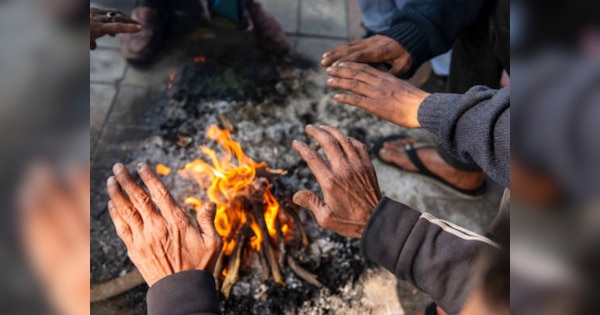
[
  {"x": 380, "y": 15},
  {"x": 54, "y": 224},
  {"x": 175, "y": 253},
  {"x": 110, "y": 22},
  {"x": 478, "y": 33},
  {"x": 155, "y": 17}
]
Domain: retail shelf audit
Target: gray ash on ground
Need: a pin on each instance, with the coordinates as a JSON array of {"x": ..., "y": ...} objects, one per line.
[{"x": 269, "y": 101}]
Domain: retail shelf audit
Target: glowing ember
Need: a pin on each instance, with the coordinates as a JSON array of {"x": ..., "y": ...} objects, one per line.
[
  {"x": 229, "y": 176},
  {"x": 199, "y": 59},
  {"x": 162, "y": 169},
  {"x": 171, "y": 78}
]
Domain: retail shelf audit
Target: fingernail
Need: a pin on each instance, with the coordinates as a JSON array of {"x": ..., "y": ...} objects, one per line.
[
  {"x": 110, "y": 205},
  {"x": 111, "y": 181},
  {"x": 141, "y": 166},
  {"x": 330, "y": 80},
  {"x": 321, "y": 126},
  {"x": 118, "y": 168},
  {"x": 309, "y": 126}
]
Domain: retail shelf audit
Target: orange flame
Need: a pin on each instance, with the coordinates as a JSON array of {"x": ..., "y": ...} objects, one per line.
[
  {"x": 162, "y": 169},
  {"x": 199, "y": 59},
  {"x": 171, "y": 78},
  {"x": 229, "y": 175}
]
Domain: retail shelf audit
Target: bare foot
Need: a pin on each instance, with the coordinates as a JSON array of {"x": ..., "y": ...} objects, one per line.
[{"x": 393, "y": 152}]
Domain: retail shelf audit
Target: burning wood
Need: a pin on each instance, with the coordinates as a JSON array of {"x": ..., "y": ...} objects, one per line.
[{"x": 249, "y": 217}]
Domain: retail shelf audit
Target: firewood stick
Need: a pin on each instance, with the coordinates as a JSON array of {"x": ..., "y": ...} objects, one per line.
[
  {"x": 220, "y": 264},
  {"x": 291, "y": 210},
  {"x": 257, "y": 206},
  {"x": 233, "y": 267},
  {"x": 280, "y": 242},
  {"x": 219, "y": 269},
  {"x": 114, "y": 287},
  {"x": 303, "y": 273},
  {"x": 266, "y": 271}
]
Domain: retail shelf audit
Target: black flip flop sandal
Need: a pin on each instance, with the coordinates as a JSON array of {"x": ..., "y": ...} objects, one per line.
[
  {"x": 411, "y": 151},
  {"x": 431, "y": 309}
]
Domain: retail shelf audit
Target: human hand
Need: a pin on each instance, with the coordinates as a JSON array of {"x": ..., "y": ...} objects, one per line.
[
  {"x": 375, "y": 49},
  {"x": 377, "y": 92},
  {"x": 55, "y": 230},
  {"x": 110, "y": 22},
  {"x": 347, "y": 179},
  {"x": 160, "y": 243}
]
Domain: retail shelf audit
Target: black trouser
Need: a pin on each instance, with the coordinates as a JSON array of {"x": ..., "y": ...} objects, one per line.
[{"x": 478, "y": 57}]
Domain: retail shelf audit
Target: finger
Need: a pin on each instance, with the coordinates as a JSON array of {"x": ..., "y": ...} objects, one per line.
[
  {"x": 332, "y": 56},
  {"x": 115, "y": 28},
  {"x": 138, "y": 196},
  {"x": 354, "y": 86},
  {"x": 362, "y": 73},
  {"x": 361, "y": 67},
  {"x": 123, "y": 205},
  {"x": 363, "y": 102},
  {"x": 362, "y": 149},
  {"x": 344, "y": 141},
  {"x": 331, "y": 146},
  {"x": 311, "y": 201},
  {"x": 160, "y": 194},
  {"x": 312, "y": 158},
  {"x": 121, "y": 227},
  {"x": 79, "y": 186},
  {"x": 206, "y": 217}
]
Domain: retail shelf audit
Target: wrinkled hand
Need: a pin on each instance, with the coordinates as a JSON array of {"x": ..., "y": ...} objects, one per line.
[
  {"x": 160, "y": 243},
  {"x": 377, "y": 92},
  {"x": 102, "y": 24},
  {"x": 347, "y": 179},
  {"x": 55, "y": 229},
  {"x": 373, "y": 50}
]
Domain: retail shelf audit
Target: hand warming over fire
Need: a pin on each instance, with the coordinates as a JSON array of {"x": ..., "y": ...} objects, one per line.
[
  {"x": 377, "y": 92},
  {"x": 160, "y": 243},
  {"x": 375, "y": 49},
  {"x": 110, "y": 22},
  {"x": 347, "y": 179}
]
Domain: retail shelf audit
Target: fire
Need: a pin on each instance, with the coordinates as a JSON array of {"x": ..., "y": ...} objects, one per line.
[
  {"x": 199, "y": 59},
  {"x": 228, "y": 176},
  {"x": 171, "y": 78},
  {"x": 162, "y": 169}
]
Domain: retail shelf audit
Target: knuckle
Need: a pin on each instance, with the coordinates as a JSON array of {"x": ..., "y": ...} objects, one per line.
[
  {"x": 162, "y": 193},
  {"x": 356, "y": 98}
]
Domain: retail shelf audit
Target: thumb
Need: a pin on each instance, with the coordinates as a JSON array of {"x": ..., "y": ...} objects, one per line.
[
  {"x": 309, "y": 200},
  {"x": 206, "y": 216}
]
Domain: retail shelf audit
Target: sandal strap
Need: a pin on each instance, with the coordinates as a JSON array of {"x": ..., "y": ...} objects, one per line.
[{"x": 411, "y": 151}]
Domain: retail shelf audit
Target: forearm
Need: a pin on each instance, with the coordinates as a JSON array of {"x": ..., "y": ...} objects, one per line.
[
  {"x": 185, "y": 293},
  {"x": 432, "y": 254},
  {"x": 427, "y": 28},
  {"x": 474, "y": 127}
]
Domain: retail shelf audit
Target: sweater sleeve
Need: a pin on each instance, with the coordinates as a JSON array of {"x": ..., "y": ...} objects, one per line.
[
  {"x": 191, "y": 292},
  {"x": 473, "y": 127},
  {"x": 431, "y": 254},
  {"x": 427, "y": 28}
]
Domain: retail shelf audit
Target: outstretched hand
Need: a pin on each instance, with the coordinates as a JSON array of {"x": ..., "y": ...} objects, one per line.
[
  {"x": 373, "y": 50},
  {"x": 160, "y": 243},
  {"x": 347, "y": 179},
  {"x": 110, "y": 22},
  {"x": 379, "y": 93}
]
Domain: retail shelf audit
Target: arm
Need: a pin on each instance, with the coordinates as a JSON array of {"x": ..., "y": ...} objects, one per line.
[
  {"x": 427, "y": 28},
  {"x": 474, "y": 127},
  {"x": 190, "y": 292},
  {"x": 174, "y": 253},
  {"x": 431, "y": 254}
]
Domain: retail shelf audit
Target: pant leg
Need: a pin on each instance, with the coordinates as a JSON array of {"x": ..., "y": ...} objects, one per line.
[
  {"x": 378, "y": 15},
  {"x": 478, "y": 57}
]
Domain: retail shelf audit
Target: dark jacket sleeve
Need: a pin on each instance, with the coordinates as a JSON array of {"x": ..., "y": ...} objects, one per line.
[
  {"x": 473, "y": 127},
  {"x": 427, "y": 28},
  {"x": 190, "y": 292},
  {"x": 432, "y": 254}
]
